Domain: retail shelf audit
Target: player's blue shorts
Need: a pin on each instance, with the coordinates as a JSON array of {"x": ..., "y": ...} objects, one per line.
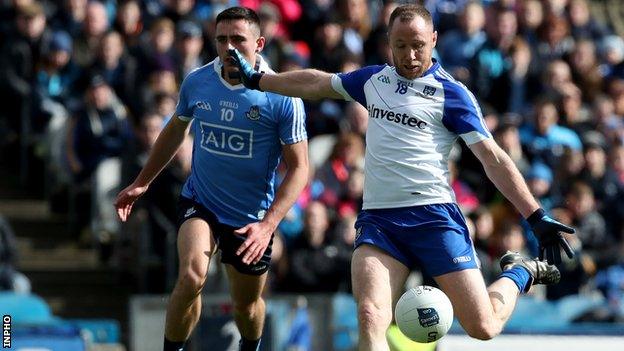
[{"x": 434, "y": 237}]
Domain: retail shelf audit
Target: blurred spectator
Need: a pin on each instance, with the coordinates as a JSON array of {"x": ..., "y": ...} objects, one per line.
[
  {"x": 118, "y": 68},
  {"x": 351, "y": 201},
  {"x": 160, "y": 82},
  {"x": 510, "y": 238},
  {"x": 555, "y": 8},
  {"x": 300, "y": 331},
  {"x": 490, "y": 62},
  {"x": 466, "y": 198},
  {"x": 159, "y": 204},
  {"x": 545, "y": 139},
  {"x": 586, "y": 68},
  {"x": 589, "y": 224},
  {"x": 289, "y": 11},
  {"x": 293, "y": 58},
  {"x": 179, "y": 10},
  {"x": 511, "y": 89},
  {"x": 576, "y": 271},
  {"x": 530, "y": 17},
  {"x": 570, "y": 166},
  {"x": 606, "y": 121},
  {"x": 70, "y": 17},
  {"x": 508, "y": 138},
  {"x": 328, "y": 45},
  {"x": 557, "y": 76},
  {"x": 604, "y": 182},
  {"x": 583, "y": 26},
  {"x": 277, "y": 280},
  {"x": 458, "y": 47},
  {"x": 165, "y": 104},
  {"x": 314, "y": 265},
  {"x": 129, "y": 24},
  {"x": 157, "y": 52},
  {"x": 10, "y": 279},
  {"x": 376, "y": 47},
  {"x": 554, "y": 40},
  {"x": 539, "y": 180},
  {"x": 575, "y": 114},
  {"x": 356, "y": 22},
  {"x": 95, "y": 25},
  {"x": 616, "y": 161},
  {"x": 356, "y": 120},
  {"x": 54, "y": 95},
  {"x": 343, "y": 239},
  {"x": 615, "y": 89},
  {"x": 97, "y": 138},
  {"x": 18, "y": 59},
  {"x": 312, "y": 12},
  {"x": 444, "y": 12},
  {"x": 188, "y": 48},
  {"x": 269, "y": 24},
  {"x": 346, "y": 157},
  {"x": 612, "y": 54}
]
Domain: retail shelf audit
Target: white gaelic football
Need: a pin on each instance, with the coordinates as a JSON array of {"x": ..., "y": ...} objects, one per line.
[{"x": 424, "y": 314}]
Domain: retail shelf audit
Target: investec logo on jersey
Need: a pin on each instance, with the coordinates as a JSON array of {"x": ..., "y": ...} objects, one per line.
[
  {"x": 227, "y": 141},
  {"x": 396, "y": 117}
]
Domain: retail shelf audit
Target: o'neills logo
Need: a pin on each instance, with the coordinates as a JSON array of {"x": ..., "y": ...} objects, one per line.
[{"x": 396, "y": 117}]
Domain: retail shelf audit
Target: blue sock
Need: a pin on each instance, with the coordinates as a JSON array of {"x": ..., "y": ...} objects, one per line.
[
  {"x": 173, "y": 345},
  {"x": 520, "y": 276},
  {"x": 249, "y": 345}
]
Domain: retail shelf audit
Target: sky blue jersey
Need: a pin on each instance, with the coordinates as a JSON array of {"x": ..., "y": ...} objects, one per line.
[{"x": 238, "y": 138}]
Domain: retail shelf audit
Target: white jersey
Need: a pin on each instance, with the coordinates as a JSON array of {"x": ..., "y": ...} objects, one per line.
[{"x": 411, "y": 129}]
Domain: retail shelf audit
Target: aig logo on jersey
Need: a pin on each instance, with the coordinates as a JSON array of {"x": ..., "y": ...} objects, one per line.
[
  {"x": 226, "y": 141},
  {"x": 253, "y": 113}
]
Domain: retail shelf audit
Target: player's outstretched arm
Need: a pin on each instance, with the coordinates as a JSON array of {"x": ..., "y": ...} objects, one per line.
[
  {"x": 308, "y": 84},
  {"x": 502, "y": 171},
  {"x": 259, "y": 233},
  {"x": 164, "y": 149}
]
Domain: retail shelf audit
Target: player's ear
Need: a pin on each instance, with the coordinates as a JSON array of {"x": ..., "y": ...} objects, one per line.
[
  {"x": 435, "y": 38},
  {"x": 260, "y": 44}
]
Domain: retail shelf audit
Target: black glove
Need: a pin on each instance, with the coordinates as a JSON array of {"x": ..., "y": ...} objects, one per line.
[
  {"x": 548, "y": 233},
  {"x": 249, "y": 76}
]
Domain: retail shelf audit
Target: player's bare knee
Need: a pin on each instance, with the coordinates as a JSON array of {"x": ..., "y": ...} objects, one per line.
[
  {"x": 372, "y": 317},
  {"x": 246, "y": 308},
  {"x": 484, "y": 330},
  {"x": 191, "y": 281}
]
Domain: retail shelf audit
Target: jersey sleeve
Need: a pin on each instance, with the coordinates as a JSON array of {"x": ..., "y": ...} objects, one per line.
[
  {"x": 183, "y": 110},
  {"x": 292, "y": 128},
  {"x": 351, "y": 85},
  {"x": 462, "y": 115}
]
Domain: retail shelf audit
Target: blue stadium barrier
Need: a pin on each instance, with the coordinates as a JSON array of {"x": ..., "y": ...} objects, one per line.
[
  {"x": 344, "y": 321},
  {"x": 47, "y": 338},
  {"x": 26, "y": 309},
  {"x": 103, "y": 331}
]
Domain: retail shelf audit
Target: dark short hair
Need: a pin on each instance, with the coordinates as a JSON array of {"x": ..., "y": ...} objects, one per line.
[
  {"x": 406, "y": 13},
  {"x": 239, "y": 13}
]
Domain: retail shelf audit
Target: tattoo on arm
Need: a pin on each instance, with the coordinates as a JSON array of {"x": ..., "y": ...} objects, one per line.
[{"x": 497, "y": 295}]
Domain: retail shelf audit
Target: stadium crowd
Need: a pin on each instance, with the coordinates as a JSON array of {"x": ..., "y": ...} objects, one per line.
[{"x": 88, "y": 85}]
